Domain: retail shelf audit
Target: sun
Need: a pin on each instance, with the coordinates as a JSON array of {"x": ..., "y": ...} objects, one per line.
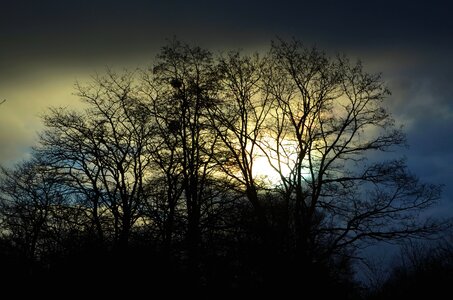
[
  {"x": 264, "y": 171},
  {"x": 270, "y": 170}
]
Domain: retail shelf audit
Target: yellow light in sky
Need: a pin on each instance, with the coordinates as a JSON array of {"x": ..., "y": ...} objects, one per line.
[
  {"x": 266, "y": 164},
  {"x": 264, "y": 171}
]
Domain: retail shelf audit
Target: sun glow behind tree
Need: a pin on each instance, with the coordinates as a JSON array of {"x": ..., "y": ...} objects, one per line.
[
  {"x": 271, "y": 169},
  {"x": 262, "y": 154}
]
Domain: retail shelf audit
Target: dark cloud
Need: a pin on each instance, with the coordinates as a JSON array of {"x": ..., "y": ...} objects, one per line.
[{"x": 89, "y": 29}]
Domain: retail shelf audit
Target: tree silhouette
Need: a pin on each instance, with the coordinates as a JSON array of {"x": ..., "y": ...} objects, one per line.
[
  {"x": 181, "y": 89},
  {"x": 35, "y": 208},
  {"x": 157, "y": 172},
  {"x": 239, "y": 121},
  {"x": 104, "y": 152},
  {"x": 420, "y": 269},
  {"x": 317, "y": 119},
  {"x": 327, "y": 119}
]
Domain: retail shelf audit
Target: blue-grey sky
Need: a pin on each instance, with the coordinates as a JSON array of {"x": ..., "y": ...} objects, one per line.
[{"x": 46, "y": 45}]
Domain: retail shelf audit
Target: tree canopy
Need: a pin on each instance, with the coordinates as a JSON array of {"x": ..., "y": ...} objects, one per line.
[{"x": 176, "y": 159}]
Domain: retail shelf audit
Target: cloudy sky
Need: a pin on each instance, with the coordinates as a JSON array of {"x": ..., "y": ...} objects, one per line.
[{"x": 46, "y": 45}]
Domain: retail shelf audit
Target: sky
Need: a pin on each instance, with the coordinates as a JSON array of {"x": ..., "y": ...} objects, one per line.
[{"x": 45, "y": 46}]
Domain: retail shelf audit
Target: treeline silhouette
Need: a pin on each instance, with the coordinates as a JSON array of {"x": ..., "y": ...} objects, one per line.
[
  {"x": 420, "y": 270},
  {"x": 152, "y": 185}
]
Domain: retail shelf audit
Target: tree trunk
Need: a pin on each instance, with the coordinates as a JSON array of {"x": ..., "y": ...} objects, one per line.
[
  {"x": 252, "y": 195},
  {"x": 97, "y": 222},
  {"x": 168, "y": 230}
]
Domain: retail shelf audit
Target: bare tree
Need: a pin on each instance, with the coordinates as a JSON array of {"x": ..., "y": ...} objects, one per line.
[
  {"x": 183, "y": 87},
  {"x": 239, "y": 121},
  {"x": 171, "y": 156},
  {"x": 421, "y": 268},
  {"x": 33, "y": 202},
  {"x": 166, "y": 156},
  {"x": 104, "y": 151},
  {"x": 328, "y": 118}
]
